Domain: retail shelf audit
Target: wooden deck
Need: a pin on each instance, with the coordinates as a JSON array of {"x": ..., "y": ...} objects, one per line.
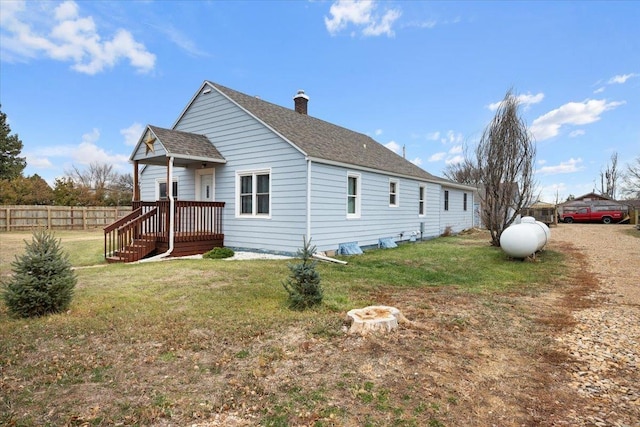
[{"x": 145, "y": 232}]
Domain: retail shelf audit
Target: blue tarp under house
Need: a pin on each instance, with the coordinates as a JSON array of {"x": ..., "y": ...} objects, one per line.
[
  {"x": 387, "y": 243},
  {"x": 349, "y": 248}
]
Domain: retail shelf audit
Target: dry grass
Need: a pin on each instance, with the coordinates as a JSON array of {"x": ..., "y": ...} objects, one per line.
[{"x": 212, "y": 343}]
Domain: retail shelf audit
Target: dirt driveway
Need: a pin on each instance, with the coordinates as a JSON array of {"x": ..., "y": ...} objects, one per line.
[{"x": 604, "y": 345}]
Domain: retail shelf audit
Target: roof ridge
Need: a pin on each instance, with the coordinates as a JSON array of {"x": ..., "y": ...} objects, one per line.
[{"x": 321, "y": 139}]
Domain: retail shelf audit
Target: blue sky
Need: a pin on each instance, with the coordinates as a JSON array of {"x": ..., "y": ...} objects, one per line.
[{"x": 80, "y": 80}]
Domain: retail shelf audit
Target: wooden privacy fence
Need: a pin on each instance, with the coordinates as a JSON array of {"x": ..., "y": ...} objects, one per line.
[{"x": 20, "y": 218}]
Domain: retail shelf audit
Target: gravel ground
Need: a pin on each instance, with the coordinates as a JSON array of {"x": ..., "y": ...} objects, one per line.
[{"x": 605, "y": 343}]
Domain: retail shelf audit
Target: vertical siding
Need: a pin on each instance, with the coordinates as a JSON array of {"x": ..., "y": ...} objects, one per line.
[{"x": 246, "y": 144}]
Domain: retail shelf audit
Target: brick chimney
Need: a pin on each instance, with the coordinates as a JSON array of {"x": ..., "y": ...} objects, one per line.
[{"x": 300, "y": 101}]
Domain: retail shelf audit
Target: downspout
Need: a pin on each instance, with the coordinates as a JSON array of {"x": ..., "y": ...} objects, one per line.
[
  {"x": 172, "y": 205},
  {"x": 308, "y": 199},
  {"x": 171, "y": 216}
]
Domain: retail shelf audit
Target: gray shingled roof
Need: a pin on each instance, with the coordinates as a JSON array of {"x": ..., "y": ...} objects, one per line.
[
  {"x": 187, "y": 145},
  {"x": 323, "y": 140}
]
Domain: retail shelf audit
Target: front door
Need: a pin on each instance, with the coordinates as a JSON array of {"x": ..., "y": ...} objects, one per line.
[{"x": 206, "y": 186}]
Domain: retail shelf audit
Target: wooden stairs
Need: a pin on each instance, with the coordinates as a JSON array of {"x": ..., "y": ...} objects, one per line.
[
  {"x": 131, "y": 238},
  {"x": 137, "y": 250},
  {"x": 197, "y": 229}
]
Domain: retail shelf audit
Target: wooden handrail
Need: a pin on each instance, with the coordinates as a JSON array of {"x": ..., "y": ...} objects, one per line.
[
  {"x": 123, "y": 220},
  {"x": 194, "y": 221},
  {"x": 137, "y": 221},
  {"x": 121, "y": 236}
]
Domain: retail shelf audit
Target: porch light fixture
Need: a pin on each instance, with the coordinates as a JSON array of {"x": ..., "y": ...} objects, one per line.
[{"x": 204, "y": 165}]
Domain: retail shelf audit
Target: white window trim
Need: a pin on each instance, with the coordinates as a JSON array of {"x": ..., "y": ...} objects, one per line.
[
  {"x": 199, "y": 173},
  {"x": 397, "y": 193},
  {"x": 164, "y": 181},
  {"x": 254, "y": 183},
  {"x": 423, "y": 212},
  {"x": 358, "y": 178}
]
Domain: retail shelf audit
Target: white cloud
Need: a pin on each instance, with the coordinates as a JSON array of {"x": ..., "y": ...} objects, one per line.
[
  {"x": 417, "y": 161},
  {"x": 454, "y": 160},
  {"x": 28, "y": 32},
  {"x": 457, "y": 149},
  {"x": 383, "y": 26},
  {"x": 181, "y": 40},
  {"x": 572, "y": 113},
  {"x": 452, "y": 138},
  {"x": 38, "y": 162},
  {"x": 576, "y": 133},
  {"x": 85, "y": 152},
  {"x": 599, "y": 90},
  {"x": 437, "y": 157},
  {"x": 88, "y": 152},
  {"x": 622, "y": 78},
  {"x": 362, "y": 14},
  {"x": 132, "y": 134},
  {"x": 378, "y": 132},
  {"x": 393, "y": 146},
  {"x": 525, "y": 99},
  {"x": 433, "y": 136},
  {"x": 570, "y": 166},
  {"x": 422, "y": 24}
]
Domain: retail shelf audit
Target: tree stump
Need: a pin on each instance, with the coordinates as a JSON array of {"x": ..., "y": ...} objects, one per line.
[{"x": 375, "y": 318}]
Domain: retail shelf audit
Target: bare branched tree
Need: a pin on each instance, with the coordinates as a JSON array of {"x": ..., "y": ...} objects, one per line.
[
  {"x": 631, "y": 180},
  {"x": 609, "y": 178},
  {"x": 464, "y": 172},
  {"x": 505, "y": 159},
  {"x": 107, "y": 186}
]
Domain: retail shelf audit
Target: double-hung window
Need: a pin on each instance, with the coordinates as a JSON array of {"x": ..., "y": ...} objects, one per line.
[
  {"x": 393, "y": 193},
  {"x": 253, "y": 193},
  {"x": 353, "y": 195},
  {"x": 422, "y": 206},
  {"x": 161, "y": 190}
]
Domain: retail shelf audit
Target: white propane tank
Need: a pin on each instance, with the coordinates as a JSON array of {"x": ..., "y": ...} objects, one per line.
[{"x": 524, "y": 239}]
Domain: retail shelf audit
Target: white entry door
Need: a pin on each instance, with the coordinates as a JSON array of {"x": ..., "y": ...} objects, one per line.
[{"x": 206, "y": 186}]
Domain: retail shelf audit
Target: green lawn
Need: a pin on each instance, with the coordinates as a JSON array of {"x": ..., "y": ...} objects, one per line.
[{"x": 131, "y": 326}]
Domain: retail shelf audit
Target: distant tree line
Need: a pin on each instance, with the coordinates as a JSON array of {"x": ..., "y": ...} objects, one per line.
[{"x": 97, "y": 185}]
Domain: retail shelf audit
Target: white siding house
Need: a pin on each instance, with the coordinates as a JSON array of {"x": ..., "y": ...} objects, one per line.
[{"x": 283, "y": 174}]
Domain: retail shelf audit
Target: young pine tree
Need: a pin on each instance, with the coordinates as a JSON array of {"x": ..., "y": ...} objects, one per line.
[
  {"x": 303, "y": 284},
  {"x": 42, "y": 281}
]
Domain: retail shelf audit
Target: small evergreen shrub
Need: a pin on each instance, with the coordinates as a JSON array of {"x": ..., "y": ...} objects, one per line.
[
  {"x": 219, "y": 253},
  {"x": 303, "y": 284},
  {"x": 42, "y": 281}
]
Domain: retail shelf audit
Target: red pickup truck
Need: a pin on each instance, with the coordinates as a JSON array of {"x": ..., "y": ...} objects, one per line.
[{"x": 589, "y": 215}]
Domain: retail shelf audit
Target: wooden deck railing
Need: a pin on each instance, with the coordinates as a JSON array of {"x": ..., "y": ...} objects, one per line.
[
  {"x": 193, "y": 220},
  {"x": 149, "y": 221},
  {"x": 121, "y": 236}
]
